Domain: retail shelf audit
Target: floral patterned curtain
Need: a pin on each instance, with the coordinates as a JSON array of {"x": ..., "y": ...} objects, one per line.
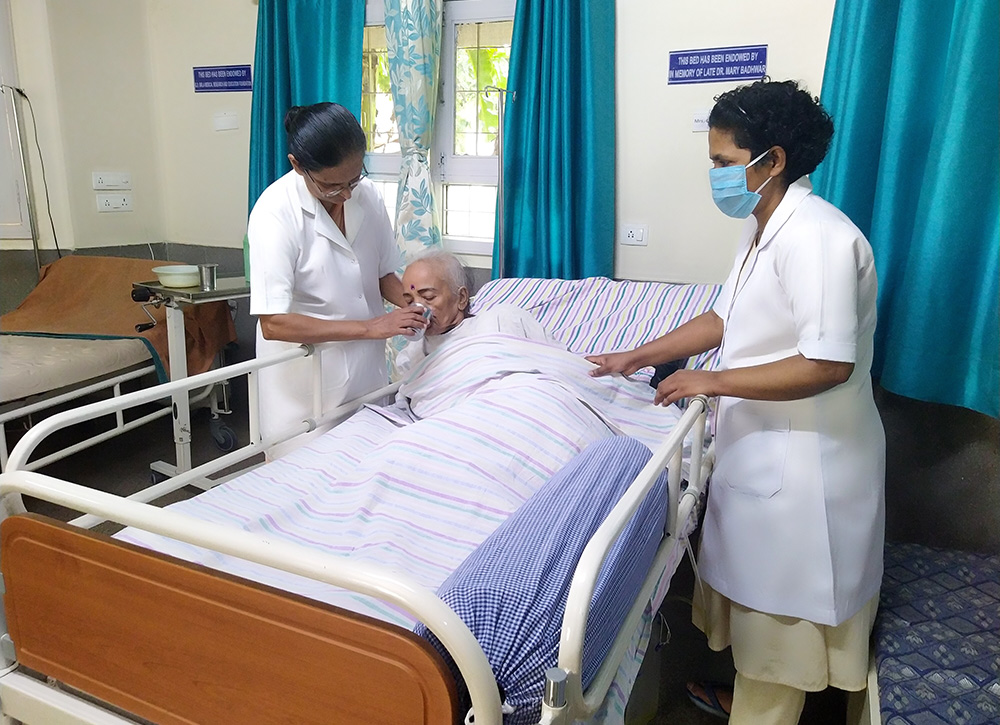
[{"x": 413, "y": 35}]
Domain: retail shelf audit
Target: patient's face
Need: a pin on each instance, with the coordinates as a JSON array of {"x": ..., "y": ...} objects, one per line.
[{"x": 424, "y": 284}]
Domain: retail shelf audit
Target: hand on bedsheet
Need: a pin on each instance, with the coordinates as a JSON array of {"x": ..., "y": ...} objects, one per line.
[
  {"x": 613, "y": 362},
  {"x": 686, "y": 384}
]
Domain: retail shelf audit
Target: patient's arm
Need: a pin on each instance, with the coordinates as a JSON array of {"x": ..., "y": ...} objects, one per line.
[{"x": 695, "y": 336}]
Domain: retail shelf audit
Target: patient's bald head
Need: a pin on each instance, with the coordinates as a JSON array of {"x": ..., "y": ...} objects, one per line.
[{"x": 437, "y": 280}]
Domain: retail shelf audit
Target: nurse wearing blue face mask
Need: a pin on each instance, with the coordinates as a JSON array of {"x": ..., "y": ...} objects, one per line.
[{"x": 791, "y": 549}]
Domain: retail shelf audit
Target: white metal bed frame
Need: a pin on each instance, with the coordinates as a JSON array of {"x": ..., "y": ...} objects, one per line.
[
  {"x": 26, "y": 699},
  {"x": 114, "y": 383}
]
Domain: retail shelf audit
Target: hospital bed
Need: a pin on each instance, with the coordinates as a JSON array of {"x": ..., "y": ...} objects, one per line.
[
  {"x": 75, "y": 335},
  {"x": 171, "y": 641}
]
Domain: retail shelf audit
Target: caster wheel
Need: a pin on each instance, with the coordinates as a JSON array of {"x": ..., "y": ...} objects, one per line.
[
  {"x": 223, "y": 435},
  {"x": 156, "y": 477}
]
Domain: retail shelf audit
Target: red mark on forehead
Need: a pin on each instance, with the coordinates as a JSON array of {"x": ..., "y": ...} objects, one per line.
[{"x": 412, "y": 287}]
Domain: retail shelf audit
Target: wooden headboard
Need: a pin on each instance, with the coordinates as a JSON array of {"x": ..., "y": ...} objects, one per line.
[{"x": 175, "y": 642}]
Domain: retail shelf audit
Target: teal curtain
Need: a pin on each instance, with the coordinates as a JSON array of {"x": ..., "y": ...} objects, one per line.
[
  {"x": 559, "y": 142},
  {"x": 308, "y": 51},
  {"x": 413, "y": 37},
  {"x": 912, "y": 87}
]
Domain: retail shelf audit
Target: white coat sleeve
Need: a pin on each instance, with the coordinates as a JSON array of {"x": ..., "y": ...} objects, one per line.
[
  {"x": 819, "y": 273},
  {"x": 274, "y": 250}
]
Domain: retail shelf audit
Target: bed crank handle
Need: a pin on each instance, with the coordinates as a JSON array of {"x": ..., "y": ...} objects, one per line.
[{"x": 143, "y": 295}]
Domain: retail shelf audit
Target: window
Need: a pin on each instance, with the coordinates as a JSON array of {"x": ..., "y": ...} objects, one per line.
[
  {"x": 377, "y": 116},
  {"x": 475, "y": 54},
  {"x": 482, "y": 53},
  {"x": 390, "y": 191}
]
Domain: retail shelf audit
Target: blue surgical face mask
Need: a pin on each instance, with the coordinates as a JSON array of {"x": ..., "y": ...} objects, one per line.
[{"x": 729, "y": 189}]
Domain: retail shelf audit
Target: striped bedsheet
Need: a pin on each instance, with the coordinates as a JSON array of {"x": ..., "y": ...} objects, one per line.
[
  {"x": 597, "y": 314},
  {"x": 495, "y": 418}
]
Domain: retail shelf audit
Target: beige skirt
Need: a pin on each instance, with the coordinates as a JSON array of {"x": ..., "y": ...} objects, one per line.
[{"x": 786, "y": 650}]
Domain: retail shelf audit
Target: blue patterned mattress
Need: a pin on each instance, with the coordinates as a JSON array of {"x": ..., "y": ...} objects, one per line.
[{"x": 937, "y": 638}]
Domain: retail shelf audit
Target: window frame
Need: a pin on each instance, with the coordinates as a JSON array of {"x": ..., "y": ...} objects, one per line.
[
  {"x": 381, "y": 167},
  {"x": 447, "y": 167}
]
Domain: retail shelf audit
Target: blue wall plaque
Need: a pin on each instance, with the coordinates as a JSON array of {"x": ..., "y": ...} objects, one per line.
[
  {"x": 222, "y": 78},
  {"x": 712, "y": 65}
]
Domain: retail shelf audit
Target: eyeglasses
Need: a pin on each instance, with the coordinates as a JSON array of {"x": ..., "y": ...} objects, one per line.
[{"x": 329, "y": 191}]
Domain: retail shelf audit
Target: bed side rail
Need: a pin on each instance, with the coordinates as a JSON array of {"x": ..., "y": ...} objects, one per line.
[
  {"x": 388, "y": 585},
  {"x": 565, "y": 700},
  {"x": 113, "y": 383},
  {"x": 22, "y": 452},
  {"x": 26, "y": 446}
]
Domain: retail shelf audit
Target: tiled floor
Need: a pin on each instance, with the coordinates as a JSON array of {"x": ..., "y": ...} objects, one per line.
[{"x": 122, "y": 466}]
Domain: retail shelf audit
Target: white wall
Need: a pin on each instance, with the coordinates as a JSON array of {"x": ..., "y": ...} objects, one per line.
[
  {"x": 36, "y": 74},
  {"x": 112, "y": 86},
  {"x": 100, "y": 54},
  {"x": 662, "y": 166},
  {"x": 204, "y": 173}
]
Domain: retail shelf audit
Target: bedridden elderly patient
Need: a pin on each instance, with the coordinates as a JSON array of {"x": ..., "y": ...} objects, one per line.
[{"x": 437, "y": 280}]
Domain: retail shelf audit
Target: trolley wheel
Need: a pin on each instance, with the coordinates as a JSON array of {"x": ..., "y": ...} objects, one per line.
[
  {"x": 223, "y": 435},
  {"x": 156, "y": 477}
]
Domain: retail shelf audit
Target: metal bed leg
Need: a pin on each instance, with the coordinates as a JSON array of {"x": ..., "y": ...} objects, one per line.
[{"x": 554, "y": 707}]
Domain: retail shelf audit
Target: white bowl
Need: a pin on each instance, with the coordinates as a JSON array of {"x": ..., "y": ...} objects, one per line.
[{"x": 178, "y": 275}]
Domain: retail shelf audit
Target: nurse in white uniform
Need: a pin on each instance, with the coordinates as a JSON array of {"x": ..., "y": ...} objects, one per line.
[
  {"x": 791, "y": 550},
  {"x": 322, "y": 259}
]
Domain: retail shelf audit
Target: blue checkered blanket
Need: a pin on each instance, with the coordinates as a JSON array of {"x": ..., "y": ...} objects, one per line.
[{"x": 511, "y": 591}]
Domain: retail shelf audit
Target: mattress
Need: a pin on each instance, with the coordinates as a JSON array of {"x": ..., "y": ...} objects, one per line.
[{"x": 34, "y": 364}]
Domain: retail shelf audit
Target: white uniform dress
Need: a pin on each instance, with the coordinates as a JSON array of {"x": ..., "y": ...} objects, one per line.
[
  {"x": 795, "y": 518},
  {"x": 301, "y": 262}
]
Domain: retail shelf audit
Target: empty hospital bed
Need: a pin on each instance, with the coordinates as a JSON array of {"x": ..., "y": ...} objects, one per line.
[
  {"x": 74, "y": 335},
  {"x": 341, "y": 642}
]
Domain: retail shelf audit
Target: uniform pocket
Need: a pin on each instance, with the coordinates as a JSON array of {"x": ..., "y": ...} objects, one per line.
[
  {"x": 336, "y": 369},
  {"x": 754, "y": 464}
]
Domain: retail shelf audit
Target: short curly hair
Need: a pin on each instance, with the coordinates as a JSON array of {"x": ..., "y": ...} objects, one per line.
[{"x": 769, "y": 113}]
